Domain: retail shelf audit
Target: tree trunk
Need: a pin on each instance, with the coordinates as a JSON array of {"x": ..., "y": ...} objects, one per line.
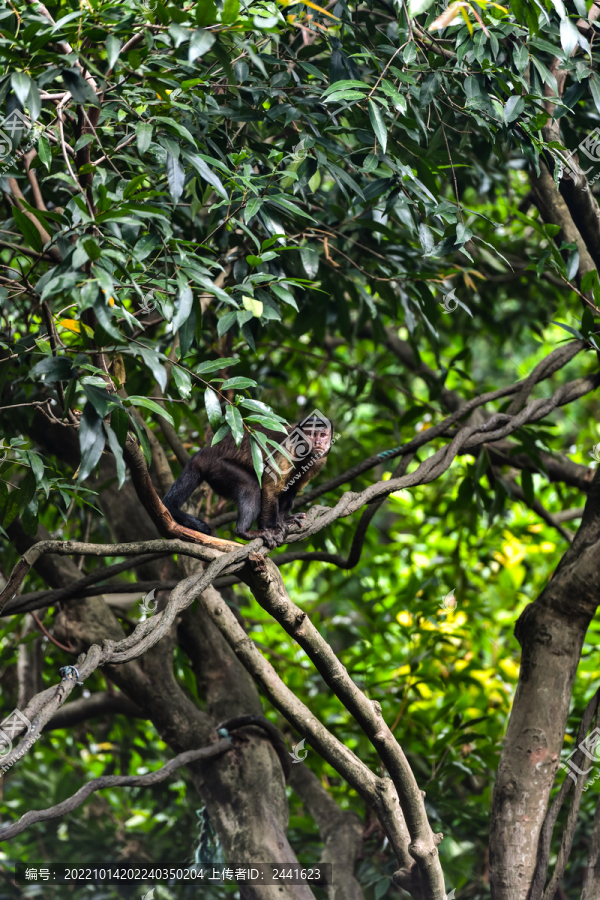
[{"x": 551, "y": 632}]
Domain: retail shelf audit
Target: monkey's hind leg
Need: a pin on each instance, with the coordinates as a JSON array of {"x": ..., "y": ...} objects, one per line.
[
  {"x": 181, "y": 491},
  {"x": 249, "y": 500}
]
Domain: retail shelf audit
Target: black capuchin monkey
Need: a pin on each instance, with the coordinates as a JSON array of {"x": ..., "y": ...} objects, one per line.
[{"x": 230, "y": 473}]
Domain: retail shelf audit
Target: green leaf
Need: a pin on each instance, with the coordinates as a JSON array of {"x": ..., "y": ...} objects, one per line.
[
  {"x": 257, "y": 458},
  {"x": 200, "y": 43},
  {"x": 83, "y": 141},
  {"x": 104, "y": 316},
  {"x": 267, "y": 422},
  {"x": 184, "y": 307},
  {"x": 572, "y": 266},
  {"x": 100, "y": 399},
  {"x": 208, "y": 286},
  {"x": 589, "y": 280},
  {"x": 397, "y": 99},
  {"x": 344, "y": 95},
  {"x": 29, "y": 517},
  {"x": 429, "y": 89},
  {"x": 119, "y": 422},
  {"x": 587, "y": 322},
  {"x": 216, "y": 364},
  {"x": 21, "y": 83},
  {"x": 378, "y": 124},
  {"x": 143, "y": 439},
  {"x": 206, "y": 173},
  {"x": 594, "y": 83},
  {"x": 44, "y": 151},
  {"x": 260, "y": 407},
  {"x": 143, "y": 131},
  {"x": 513, "y": 109},
  {"x": 152, "y": 405},
  {"x": 527, "y": 486},
  {"x": 206, "y": 13},
  {"x": 117, "y": 450},
  {"x": 37, "y": 467},
  {"x": 113, "y": 48},
  {"x": 183, "y": 382},
  {"x": 223, "y": 431},
  {"x": 570, "y": 330},
  {"x": 175, "y": 177},
  {"x": 231, "y": 10},
  {"x": 284, "y": 294},
  {"x": 238, "y": 382},
  {"x": 91, "y": 441},
  {"x": 569, "y": 36},
  {"x": 347, "y": 85},
  {"x": 234, "y": 419},
  {"x": 28, "y": 230},
  {"x": 26, "y": 491},
  {"x": 213, "y": 407},
  {"x": 179, "y": 129},
  {"x": 80, "y": 88},
  {"x": 55, "y": 368}
]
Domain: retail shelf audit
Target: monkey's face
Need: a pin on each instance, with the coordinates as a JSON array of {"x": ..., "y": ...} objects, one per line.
[
  {"x": 321, "y": 441},
  {"x": 318, "y": 433}
]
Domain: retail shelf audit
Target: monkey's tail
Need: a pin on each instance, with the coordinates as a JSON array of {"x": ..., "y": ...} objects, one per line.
[{"x": 182, "y": 490}]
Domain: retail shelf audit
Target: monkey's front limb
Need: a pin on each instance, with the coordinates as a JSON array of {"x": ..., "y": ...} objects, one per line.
[
  {"x": 295, "y": 519},
  {"x": 273, "y": 537}
]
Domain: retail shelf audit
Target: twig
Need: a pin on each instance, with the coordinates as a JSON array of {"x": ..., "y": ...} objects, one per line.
[{"x": 50, "y": 637}]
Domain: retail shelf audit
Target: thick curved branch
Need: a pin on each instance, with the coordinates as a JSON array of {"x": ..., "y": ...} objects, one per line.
[
  {"x": 379, "y": 792},
  {"x": 98, "y": 704},
  {"x": 547, "y": 367},
  {"x": 573, "y": 185},
  {"x": 106, "y": 781},
  {"x": 78, "y": 587},
  {"x": 468, "y": 439},
  {"x": 68, "y": 548},
  {"x": 555, "y": 211},
  {"x": 156, "y": 509},
  {"x": 148, "y": 633},
  {"x": 264, "y": 580},
  {"x": 270, "y": 728},
  {"x": 591, "y": 888},
  {"x": 556, "y": 470},
  {"x": 357, "y": 541}
]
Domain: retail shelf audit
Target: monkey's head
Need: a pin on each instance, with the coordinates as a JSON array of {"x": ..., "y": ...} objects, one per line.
[{"x": 318, "y": 431}]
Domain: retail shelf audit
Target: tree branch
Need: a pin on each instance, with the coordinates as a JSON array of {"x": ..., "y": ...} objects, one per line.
[
  {"x": 98, "y": 704},
  {"x": 341, "y": 832},
  {"x": 591, "y": 888},
  {"x": 78, "y": 587},
  {"x": 547, "y": 830},
  {"x": 265, "y": 581},
  {"x": 379, "y": 792},
  {"x": 556, "y": 360},
  {"x": 106, "y": 781}
]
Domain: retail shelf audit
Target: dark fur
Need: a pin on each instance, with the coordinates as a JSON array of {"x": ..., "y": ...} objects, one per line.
[{"x": 230, "y": 473}]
